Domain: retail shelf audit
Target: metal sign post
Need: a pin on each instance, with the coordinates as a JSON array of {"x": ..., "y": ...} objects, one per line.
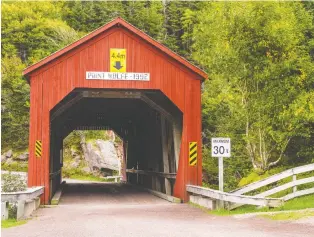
[
  {"x": 221, "y": 173},
  {"x": 221, "y": 147}
]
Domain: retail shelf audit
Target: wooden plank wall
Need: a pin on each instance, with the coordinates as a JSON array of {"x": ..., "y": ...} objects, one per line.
[{"x": 52, "y": 82}]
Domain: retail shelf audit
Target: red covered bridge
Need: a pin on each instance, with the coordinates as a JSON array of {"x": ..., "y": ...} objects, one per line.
[{"x": 118, "y": 78}]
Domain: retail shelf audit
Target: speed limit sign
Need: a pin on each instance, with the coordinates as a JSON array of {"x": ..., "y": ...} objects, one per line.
[{"x": 221, "y": 147}]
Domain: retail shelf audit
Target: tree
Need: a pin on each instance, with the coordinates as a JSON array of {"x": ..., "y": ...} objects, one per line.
[
  {"x": 30, "y": 31},
  {"x": 259, "y": 64},
  {"x": 33, "y": 30},
  {"x": 14, "y": 105}
]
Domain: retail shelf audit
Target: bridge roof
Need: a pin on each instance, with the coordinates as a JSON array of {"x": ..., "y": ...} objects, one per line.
[{"x": 116, "y": 22}]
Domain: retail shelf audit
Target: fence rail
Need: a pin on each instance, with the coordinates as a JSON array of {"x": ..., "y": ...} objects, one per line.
[
  {"x": 274, "y": 178},
  {"x": 235, "y": 198},
  {"x": 277, "y": 177},
  {"x": 238, "y": 198}
]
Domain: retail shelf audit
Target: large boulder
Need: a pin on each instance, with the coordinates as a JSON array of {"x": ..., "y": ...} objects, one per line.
[
  {"x": 105, "y": 157},
  {"x": 9, "y": 154},
  {"x": 109, "y": 154},
  {"x": 6, "y": 155},
  {"x": 22, "y": 157}
]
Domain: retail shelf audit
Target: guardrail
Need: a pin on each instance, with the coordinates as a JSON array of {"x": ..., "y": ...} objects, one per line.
[
  {"x": 237, "y": 198},
  {"x": 277, "y": 177},
  {"x": 26, "y": 201}
]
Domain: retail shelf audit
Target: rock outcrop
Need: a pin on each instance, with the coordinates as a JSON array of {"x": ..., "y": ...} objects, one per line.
[
  {"x": 22, "y": 157},
  {"x": 6, "y": 155},
  {"x": 101, "y": 156}
]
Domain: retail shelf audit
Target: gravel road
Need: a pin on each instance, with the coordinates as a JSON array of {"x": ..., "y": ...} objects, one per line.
[{"x": 104, "y": 209}]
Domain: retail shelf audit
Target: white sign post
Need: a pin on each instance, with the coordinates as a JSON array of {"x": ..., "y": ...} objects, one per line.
[{"x": 221, "y": 147}]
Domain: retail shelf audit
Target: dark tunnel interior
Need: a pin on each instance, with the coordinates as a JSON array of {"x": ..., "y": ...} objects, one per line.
[{"x": 145, "y": 120}]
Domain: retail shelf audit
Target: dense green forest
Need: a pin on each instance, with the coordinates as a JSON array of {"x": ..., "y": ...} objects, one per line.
[{"x": 259, "y": 57}]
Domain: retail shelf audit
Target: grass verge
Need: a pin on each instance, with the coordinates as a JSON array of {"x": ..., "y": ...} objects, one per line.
[
  {"x": 294, "y": 204},
  {"x": 289, "y": 215},
  {"x": 11, "y": 223}
]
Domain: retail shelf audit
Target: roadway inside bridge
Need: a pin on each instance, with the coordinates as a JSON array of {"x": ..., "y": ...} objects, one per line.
[{"x": 77, "y": 192}]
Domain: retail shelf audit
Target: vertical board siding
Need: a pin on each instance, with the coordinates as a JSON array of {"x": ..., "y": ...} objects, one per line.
[{"x": 55, "y": 80}]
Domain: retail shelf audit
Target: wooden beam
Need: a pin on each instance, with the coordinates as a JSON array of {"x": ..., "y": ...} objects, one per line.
[
  {"x": 177, "y": 134},
  {"x": 152, "y": 173},
  {"x": 113, "y": 94},
  {"x": 67, "y": 105},
  {"x": 165, "y": 158},
  {"x": 155, "y": 106}
]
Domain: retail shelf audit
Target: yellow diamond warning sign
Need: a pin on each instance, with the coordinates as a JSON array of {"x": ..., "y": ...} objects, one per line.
[{"x": 117, "y": 60}]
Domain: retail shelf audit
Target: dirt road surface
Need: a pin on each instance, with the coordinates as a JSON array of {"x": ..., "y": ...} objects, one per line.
[{"x": 102, "y": 209}]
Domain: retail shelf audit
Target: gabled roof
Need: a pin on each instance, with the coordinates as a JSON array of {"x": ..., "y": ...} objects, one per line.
[{"x": 116, "y": 22}]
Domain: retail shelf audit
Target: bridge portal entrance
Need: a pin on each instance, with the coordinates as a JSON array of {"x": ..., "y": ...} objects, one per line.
[{"x": 118, "y": 78}]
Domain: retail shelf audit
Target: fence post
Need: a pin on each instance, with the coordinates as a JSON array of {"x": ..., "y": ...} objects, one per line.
[{"x": 294, "y": 178}]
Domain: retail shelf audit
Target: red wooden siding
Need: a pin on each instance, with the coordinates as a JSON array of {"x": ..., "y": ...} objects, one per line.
[{"x": 55, "y": 78}]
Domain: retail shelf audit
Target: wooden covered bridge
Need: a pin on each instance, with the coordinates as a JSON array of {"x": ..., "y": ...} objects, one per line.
[{"x": 117, "y": 77}]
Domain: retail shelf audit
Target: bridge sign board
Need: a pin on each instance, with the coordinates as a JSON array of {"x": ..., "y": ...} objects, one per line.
[{"x": 124, "y": 76}]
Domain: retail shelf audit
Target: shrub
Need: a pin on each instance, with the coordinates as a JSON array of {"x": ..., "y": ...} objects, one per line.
[
  {"x": 12, "y": 210},
  {"x": 13, "y": 183}
]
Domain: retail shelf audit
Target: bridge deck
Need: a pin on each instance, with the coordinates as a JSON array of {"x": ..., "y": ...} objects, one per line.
[{"x": 105, "y": 194}]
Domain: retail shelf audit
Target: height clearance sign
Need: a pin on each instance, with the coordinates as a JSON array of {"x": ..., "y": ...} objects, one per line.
[
  {"x": 117, "y": 60},
  {"x": 118, "y": 69}
]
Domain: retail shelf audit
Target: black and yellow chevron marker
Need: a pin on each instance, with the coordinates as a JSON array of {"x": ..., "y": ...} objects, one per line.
[
  {"x": 193, "y": 153},
  {"x": 38, "y": 148}
]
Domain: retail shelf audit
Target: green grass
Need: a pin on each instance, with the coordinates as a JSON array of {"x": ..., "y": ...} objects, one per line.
[
  {"x": 15, "y": 166},
  {"x": 11, "y": 223},
  {"x": 88, "y": 177},
  {"x": 289, "y": 215},
  {"x": 294, "y": 204}
]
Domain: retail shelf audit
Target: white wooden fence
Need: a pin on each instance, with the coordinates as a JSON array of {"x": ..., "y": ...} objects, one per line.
[
  {"x": 238, "y": 198},
  {"x": 234, "y": 198}
]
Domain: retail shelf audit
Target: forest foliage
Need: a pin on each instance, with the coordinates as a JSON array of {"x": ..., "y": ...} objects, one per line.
[{"x": 258, "y": 55}]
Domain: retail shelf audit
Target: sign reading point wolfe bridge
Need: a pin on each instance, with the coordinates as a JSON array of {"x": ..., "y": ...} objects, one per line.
[{"x": 124, "y": 76}]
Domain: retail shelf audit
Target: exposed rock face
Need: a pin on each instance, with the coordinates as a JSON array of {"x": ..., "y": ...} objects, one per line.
[
  {"x": 99, "y": 157},
  {"x": 105, "y": 157}
]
